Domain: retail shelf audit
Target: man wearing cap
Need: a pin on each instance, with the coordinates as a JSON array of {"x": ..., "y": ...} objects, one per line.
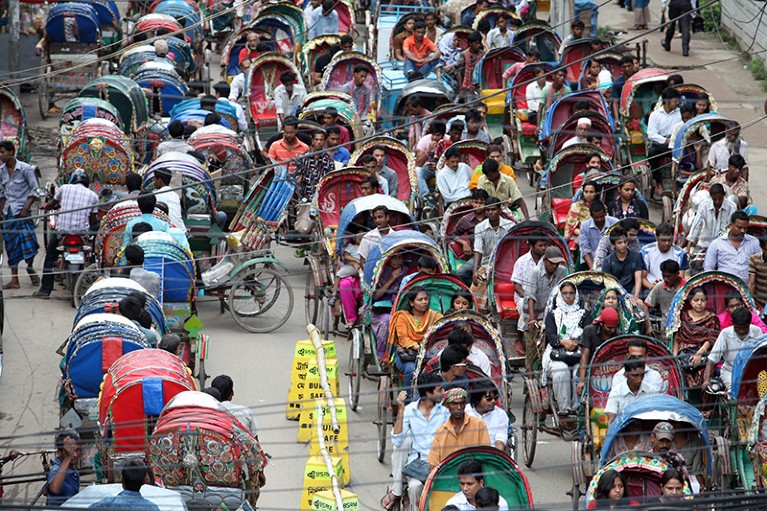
[
  {"x": 546, "y": 275},
  {"x": 461, "y": 430},
  {"x": 581, "y": 131},
  {"x": 605, "y": 327},
  {"x": 662, "y": 439},
  {"x": 629, "y": 391}
]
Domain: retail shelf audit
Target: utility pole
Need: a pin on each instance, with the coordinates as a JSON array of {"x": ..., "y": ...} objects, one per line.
[{"x": 14, "y": 63}]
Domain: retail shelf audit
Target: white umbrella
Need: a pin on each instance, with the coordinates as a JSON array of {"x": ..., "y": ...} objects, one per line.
[{"x": 166, "y": 500}]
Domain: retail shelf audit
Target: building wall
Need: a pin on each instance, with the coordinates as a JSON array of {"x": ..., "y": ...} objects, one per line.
[{"x": 744, "y": 18}]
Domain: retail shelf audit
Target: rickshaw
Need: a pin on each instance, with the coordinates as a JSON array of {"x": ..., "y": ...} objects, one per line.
[
  {"x": 611, "y": 61},
  {"x": 368, "y": 353},
  {"x": 263, "y": 78},
  {"x": 70, "y": 52},
  {"x": 314, "y": 105},
  {"x": 563, "y": 178},
  {"x": 183, "y": 10},
  {"x": 313, "y": 49},
  {"x": 640, "y": 92},
  {"x": 395, "y": 89},
  {"x": 13, "y": 122},
  {"x": 190, "y": 112},
  {"x": 490, "y": 15},
  {"x": 572, "y": 57},
  {"x": 98, "y": 147},
  {"x": 488, "y": 74},
  {"x": 453, "y": 214},
  {"x": 78, "y": 110},
  {"x": 277, "y": 30},
  {"x": 228, "y": 460},
  {"x": 135, "y": 390},
  {"x": 607, "y": 360},
  {"x": 294, "y": 15},
  {"x": 692, "y": 193},
  {"x": 500, "y": 471},
  {"x": 224, "y": 152},
  {"x": 500, "y": 289},
  {"x": 133, "y": 58},
  {"x": 744, "y": 406},
  {"x": 340, "y": 72},
  {"x": 561, "y": 118},
  {"x": 399, "y": 159},
  {"x": 111, "y": 31},
  {"x": 163, "y": 86},
  {"x": 540, "y": 35},
  {"x": 524, "y": 137},
  {"x": 715, "y": 124},
  {"x": 643, "y": 470}
]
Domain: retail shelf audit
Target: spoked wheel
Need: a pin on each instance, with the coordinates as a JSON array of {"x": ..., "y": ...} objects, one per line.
[
  {"x": 324, "y": 319},
  {"x": 355, "y": 369},
  {"x": 43, "y": 95},
  {"x": 311, "y": 301},
  {"x": 85, "y": 280},
  {"x": 529, "y": 431},
  {"x": 260, "y": 300},
  {"x": 382, "y": 415},
  {"x": 668, "y": 208}
]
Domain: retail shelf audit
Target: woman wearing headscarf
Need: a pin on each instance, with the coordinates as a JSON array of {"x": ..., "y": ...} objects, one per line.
[
  {"x": 449, "y": 50},
  {"x": 563, "y": 329},
  {"x": 611, "y": 298}
]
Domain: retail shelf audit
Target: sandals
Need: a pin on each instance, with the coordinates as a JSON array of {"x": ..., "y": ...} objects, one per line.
[
  {"x": 33, "y": 276},
  {"x": 41, "y": 294},
  {"x": 389, "y": 501}
]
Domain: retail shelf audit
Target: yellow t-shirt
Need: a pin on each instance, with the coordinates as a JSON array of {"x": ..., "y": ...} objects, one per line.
[{"x": 505, "y": 169}]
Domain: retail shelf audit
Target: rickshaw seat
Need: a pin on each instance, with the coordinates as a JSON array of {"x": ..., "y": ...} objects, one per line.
[
  {"x": 637, "y": 137},
  {"x": 560, "y": 209},
  {"x": 506, "y": 304},
  {"x": 528, "y": 128},
  {"x": 383, "y": 304},
  {"x": 496, "y": 103}
]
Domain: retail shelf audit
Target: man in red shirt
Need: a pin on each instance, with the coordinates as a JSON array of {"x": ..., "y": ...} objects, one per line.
[
  {"x": 288, "y": 148},
  {"x": 421, "y": 54},
  {"x": 250, "y": 51}
]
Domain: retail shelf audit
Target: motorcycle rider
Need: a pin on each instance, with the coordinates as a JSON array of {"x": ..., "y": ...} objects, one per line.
[{"x": 78, "y": 211}]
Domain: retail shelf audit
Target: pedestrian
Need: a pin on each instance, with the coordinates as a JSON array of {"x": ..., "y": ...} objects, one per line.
[
  {"x": 641, "y": 14},
  {"x": 681, "y": 9},
  {"x": 63, "y": 478},
  {"x": 19, "y": 192}
]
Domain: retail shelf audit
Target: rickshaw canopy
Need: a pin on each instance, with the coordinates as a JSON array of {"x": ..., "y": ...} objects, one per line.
[{"x": 363, "y": 204}]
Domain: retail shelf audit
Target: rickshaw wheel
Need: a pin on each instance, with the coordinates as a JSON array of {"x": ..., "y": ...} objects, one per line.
[
  {"x": 668, "y": 208},
  {"x": 722, "y": 467},
  {"x": 382, "y": 415},
  {"x": 529, "y": 430},
  {"x": 311, "y": 300},
  {"x": 355, "y": 369},
  {"x": 43, "y": 95},
  {"x": 253, "y": 300},
  {"x": 575, "y": 495},
  {"x": 85, "y": 280}
]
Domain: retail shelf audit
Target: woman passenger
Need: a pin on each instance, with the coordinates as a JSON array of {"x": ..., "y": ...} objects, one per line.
[
  {"x": 563, "y": 327},
  {"x": 699, "y": 329},
  {"x": 671, "y": 486},
  {"x": 733, "y": 301},
  {"x": 612, "y": 491},
  {"x": 579, "y": 211},
  {"x": 627, "y": 204},
  {"x": 611, "y": 298},
  {"x": 460, "y": 301},
  {"x": 407, "y": 329}
]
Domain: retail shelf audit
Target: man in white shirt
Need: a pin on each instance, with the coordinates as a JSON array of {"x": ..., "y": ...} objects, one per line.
[
  {"x": 487, "y": 233},
  {"x": 370, "y": 239},
  {"x": 637, "y": 349},
  {"x": 176, "y": 142},
  {"x": 534, "y": 94},
  {"x": 711, "y": 218},
  {"x": 164, "y": 193},
  {"x": 653, "y": 254},
  {"x": 500, "y": 36},
  {"x": 727, "y": 345},
  {"x": 309, "y": 11},
  {"x": 581, "y": 130},
  {"x": 629, "y": 390},
  {"x": 520, "y": 276},
  {"x": 288, "y": 95},
  {"x": 721, "y": 150},
  {"x": 243, "y": 414},
  {"x": 454, "y": 178},
  {"x": 471, "y": 478},
  {"x": 238, "y": 86},
  {"x": 483, "y": 404},
  {"x": 659, "y": 128},
  {"x": 222, "y": 91}
]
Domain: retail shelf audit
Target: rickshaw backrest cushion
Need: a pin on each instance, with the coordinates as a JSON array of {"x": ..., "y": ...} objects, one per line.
[
  {"x": 528, "y": 128},
  {"x": 561, "y": 208},
  {"x": 152, "y": 390},
  {"x": 506, "y": 304},
  {"x": 111, "y": 350}
]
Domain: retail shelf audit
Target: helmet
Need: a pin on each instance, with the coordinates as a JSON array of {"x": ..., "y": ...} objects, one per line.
[{"x": 79, "y": 177}]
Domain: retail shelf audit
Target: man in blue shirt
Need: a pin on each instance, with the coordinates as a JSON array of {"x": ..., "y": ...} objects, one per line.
[
  {"x": 413, "y": 433},
  {"x": 339, "y": 153},
  {"x": 146, "y": 204},
  {"x": 324, "y": 21},
  {"x": 591, "y": 232},
  {"x": 63, "y": 479},
  {"x": 133, "y": 476}
]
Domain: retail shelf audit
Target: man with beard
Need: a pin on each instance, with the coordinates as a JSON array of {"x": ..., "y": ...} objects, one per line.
[{"x": 731, "y": 252}]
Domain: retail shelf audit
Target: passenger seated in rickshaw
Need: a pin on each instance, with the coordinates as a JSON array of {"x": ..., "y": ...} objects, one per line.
[
  {"x": 733, "y": 180},
  {"x": 612, "y": 491},
  {"x": 732, "y": 302},
  {"x": 728, "y": 143},
  {"x": 663, "y": 292},
  {"x": 426, "y": 155},
  {"x": 581, "y": 129},
  {"x": 454, "y": 178},
  {"x": 687, "y": 443},
  {"x": 553, "y": 91},
  {"x": 501, "y": 186},
  {"x": 627, "y": 204},
  {"x": 494, "y": 152},
  {"x": 596, "y": 77},
  {"x": 532, "y": 57},
  {"x": 629, "y": 390},
  {"x": 472, "y": 480},
  {"x": 133, "y": 308},
  {"x": 399, "y": 39},
  {"x": 483, "y": 399},
  {"x": 631, "y": 438},
  {"x": 450, "y": 50},
  {"x": 662, "y": 439},
  {"x": 697, "y": 333},
  {"x": 727, "y": 345},
  {"x": 177, "y": 143},
  {"x": 452, "y": 367},
  {"x": 757, "y": 274},
  {"x": 369, "y": 162},
  {"x": 421, "y": 55},
  {"x": 467, "y": 61},
  {"x": 407, "y": 328},
  {"x": 694, "y": 154},
  {"x": 383, "y": 297},
  {"x": 146, "y": 204},
  {"x": 564, "y": 326},
  {"x": 461, "y": 430},
  {"x": 134, "y": 255},
  {"x": 579, "y": 212},
  {"x": 426, "y": 265},
  {"x": 672, "y": 486},
  {"x": 462, "y": 336},
  {"x": 340, "y": 154},
  {"x": 624, "y": 264},
  {"x": 601, "y": 330},
  {"x": 605, "y": 248},
  {"x": 237, "y": 91},
  {"x": 462, "y": 242},
  {"x": 312, "y": 167},
  {"x": 174, "y": 231},
  {"x": 541, "y": 281},
  {"x": 487, "y": 233},
  {"x": 460, "y": 301},
  {"x": 711, "y": 217},
  {"x": 476, "y": 125},
  {"x": 656, "y": 253}
]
